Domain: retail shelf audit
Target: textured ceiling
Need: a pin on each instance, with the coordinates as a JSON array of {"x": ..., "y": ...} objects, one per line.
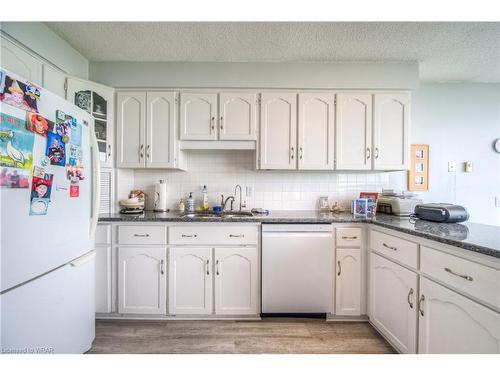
[{"x": 445, "y": 51}]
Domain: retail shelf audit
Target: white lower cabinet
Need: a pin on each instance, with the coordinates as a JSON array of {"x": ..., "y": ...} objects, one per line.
[
  {"x": 393, "y": 303},
  {"x": 142, "y": 280},
  {"x": 451, "y": 323},
  {"x": 103, "y": 279},
  {"x": 348, "y": 282},
  {"x": 236, "y": 281},
  {"x": 190, "y": 280}
]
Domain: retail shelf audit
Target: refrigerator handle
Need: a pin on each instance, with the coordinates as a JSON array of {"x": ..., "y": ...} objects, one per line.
[{"x": 96, "y": 183}]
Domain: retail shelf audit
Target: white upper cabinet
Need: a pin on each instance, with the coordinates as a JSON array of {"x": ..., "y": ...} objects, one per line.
[
  {"x": 237, "y": 116},
  {"x": 278, "y": 131},
  {"x": 190, "y": 281},
  {"x": 316, "y": 131},
  {"x": 131, "y": 129},
  {"x": 98, "y": 100},
  {"x": 348, "y": 282},
  {"x": 142, "y": 280},
  {"x": 393, "y": 303},
  {"x": 452, "y": 324},
  {"x": 198, "y": 116},
  {"x": 237, "y": 281},
  {"x": 161, "y": 126},
  {"x": 391, "y": 116},
  {"x": 353, "y": 131},
  {"x": 20, "y": 62},
  {"x": 54, "y": 80}
]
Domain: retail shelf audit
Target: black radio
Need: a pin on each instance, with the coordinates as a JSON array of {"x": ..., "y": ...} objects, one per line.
[{"x": 441, "y": 212}]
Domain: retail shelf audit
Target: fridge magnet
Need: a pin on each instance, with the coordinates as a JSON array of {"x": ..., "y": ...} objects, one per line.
[
  {"x": 41, "y": 186},
  {"x": 39, "y": 206},
  {"x": 74, "y": 190},
  {"x": 20, "y": 95},
  {"x": 2, "y": 79},
  {"x": 372, "y": 202},
  {"x": 361, "y": 207},
  {"x": 74, "y": 173},
  {"x": 75, "y": 155},
  {"x": 16, "y": 143},
  {"x": 63, "y": 125},
  {"x": 56, "y": 149},
  {"x": 44, "y": 161},
  {"x": 38, "y": 124},
  {"x": 76, "y": 133},
  {"x": 38, "y": 171},
  {"x": 14, "y": 178},
  {"x": 82, "y": 100},
  {"x": 418, "y": 174}
]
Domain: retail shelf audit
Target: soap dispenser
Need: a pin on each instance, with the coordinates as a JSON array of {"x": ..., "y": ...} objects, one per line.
[{"x": 190, "y": 203}]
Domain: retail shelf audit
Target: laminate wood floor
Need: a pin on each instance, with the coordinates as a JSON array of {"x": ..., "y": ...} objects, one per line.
[{"x": 268, "y": 336}]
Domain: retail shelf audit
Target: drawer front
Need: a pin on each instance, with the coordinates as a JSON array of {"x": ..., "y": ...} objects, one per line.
[
  {"x": 142, "y": 235},
  {"x": 103, "y": 234},
  {"x": 480, "y": 282},
  {"x": 348, "y": 237},
  {"x": 400, "y": 250},
  {"x": 220, "y": 235}
]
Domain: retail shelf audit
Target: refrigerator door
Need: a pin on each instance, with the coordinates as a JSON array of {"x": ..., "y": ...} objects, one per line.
[
  {"x": 53, "y": 313},
  {"x": 34, "y": 245}
]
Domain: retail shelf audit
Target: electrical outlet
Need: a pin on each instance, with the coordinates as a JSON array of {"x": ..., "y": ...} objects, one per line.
[
  {"x": 248, "y": 191},
  {"x": 497, "y": 201},
  {"x": 452, "y": 166}
]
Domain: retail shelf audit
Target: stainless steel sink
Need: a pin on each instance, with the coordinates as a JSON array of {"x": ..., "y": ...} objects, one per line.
[
  {"x": 217, "y": 215},
  {"x": 237, "y": 214}
]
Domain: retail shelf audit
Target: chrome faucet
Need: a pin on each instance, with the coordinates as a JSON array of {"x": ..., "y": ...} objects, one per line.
[
  {"x": 235, "y": 194},
  {"x": 224, "y": 202}
]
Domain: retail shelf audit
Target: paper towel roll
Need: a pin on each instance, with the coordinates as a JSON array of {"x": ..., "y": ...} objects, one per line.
[{"x": 160, "y": 202}]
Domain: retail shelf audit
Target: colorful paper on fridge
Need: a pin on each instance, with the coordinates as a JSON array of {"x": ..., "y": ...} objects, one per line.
[
  {"x": 41, "y": 187},
  {"x": 39, "y": 206},
  {"x": 16, "y": 143},
  {"x": 14, "y": 178},
  {"x": 56, "y": 149},
  {"x": 75, "y": 155},
  {"x": 63, "y": 125},
  {"x": 38, "y": 124},
  {"x": 20, "y": 95},
  {"x": 74, "y": 190}
]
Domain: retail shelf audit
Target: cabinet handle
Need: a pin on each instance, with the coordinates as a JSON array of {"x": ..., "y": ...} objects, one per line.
[
  {"x": 147, "y": 151},
  {"x": 109, "y": 150},
  {"x": 161, "y": 267},
  {"x": 376, "y": 152},
  {"x": 236, "y": 235},
  {"x": 221, "y": 123},
  {"x": 340, "y": 268},
  {"x": 141, "y": 235},
  {"x": 466, "y": 277},
  {"x": 410, "y": 293},
  {"x": 217, "y": 267},
  {"x": 189, "y": 236},
  {"x": 213, "y": 122},
  {"x": 141, "y": 151},
  {"x": 389, "y": 247},
  {"x": 208, "y": 266},
  {"x": 368, "y": 153},
  {"x": 349, "y": 238},
  {"x": 300, "y": 153},
  {"x": 420, "y": 303},
  {"x": 292, "y": 153}
]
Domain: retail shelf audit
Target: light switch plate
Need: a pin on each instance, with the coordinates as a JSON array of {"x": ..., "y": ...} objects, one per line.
[{"x": 452, "y": 166}]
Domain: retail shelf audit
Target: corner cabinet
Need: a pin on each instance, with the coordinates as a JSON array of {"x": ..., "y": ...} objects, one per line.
[
  {"x": 147, "y": 130},
  {"x": 348, "y": 282}
]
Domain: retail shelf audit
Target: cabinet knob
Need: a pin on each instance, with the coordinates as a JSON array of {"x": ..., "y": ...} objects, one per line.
[
  {"x": 221, "y": 123},
  {"x": 212, "y": 120},
  {"x": 141, "y": 151},
  {"x": 147, "y": 151}
]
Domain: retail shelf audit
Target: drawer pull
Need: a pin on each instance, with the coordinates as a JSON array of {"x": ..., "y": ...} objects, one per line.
[
  {"x": 236, "y": 235},
  {"x": 349, "y": 238},
  {"x": 420, "y": 304},
  {"x": 389, "y": 247},
  {"x": 189, "y": 236},
  {"x": 340, "y": 268},
  {"x": 141, "y": 235},
  {"x": 161, "y": 267},
  {"x": 468, "y": 278},
  {"x": 410, "y": 294}
]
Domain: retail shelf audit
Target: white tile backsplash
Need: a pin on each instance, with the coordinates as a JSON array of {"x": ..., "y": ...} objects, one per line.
[{"x": 274, "y": 190}]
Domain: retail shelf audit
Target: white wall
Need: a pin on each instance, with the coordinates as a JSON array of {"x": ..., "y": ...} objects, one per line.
[
  {"x": 37, "y": 37},
  {"x": 341, "y": 75},
  {"x": 460, "y": 123}
]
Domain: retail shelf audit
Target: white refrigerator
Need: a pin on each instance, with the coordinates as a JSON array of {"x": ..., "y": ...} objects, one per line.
[{"x": 47, "y": 244}]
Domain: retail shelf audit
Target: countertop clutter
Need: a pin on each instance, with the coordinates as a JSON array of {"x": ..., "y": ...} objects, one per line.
[{"x": 480, "y": 238}]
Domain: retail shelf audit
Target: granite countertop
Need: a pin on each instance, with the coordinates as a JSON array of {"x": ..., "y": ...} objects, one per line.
[{"x": 480, "y": 238}]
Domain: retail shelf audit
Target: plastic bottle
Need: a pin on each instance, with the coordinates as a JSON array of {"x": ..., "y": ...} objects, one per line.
[
  {"x": 181, "y": 205},
  {"x": 204, "y": 198},
  {"x": 190, "y": 203}
]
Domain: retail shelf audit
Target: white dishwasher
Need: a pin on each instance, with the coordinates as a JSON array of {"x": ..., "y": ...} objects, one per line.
[{"x": 297, "y": 267}]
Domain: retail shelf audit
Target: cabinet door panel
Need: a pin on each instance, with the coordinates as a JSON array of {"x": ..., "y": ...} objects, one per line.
[
  {"x": 142, "y": 280},
  {"x": 348, "y": 282},
  {"x": 278, "y": 131},
  {"x": 131, "y": 112},
  {"x": 391, "y": 131},
  {"x": 393, "y": 303},
  {"x": 316, "y": 131},
  {"x": 198, "y": 116},
  {"x": 353, "y": 131},
  {"x": 236, "y": 281},
  {"x": 190, "y": 281},
  {"x": 16, "y": 60},
  {"x": 238, "y": 116},
  {"x": 454, "y": 324},
  {"x": 103, "y": 279},
  {"x": 54, "y": 80},
  {"x": 161, "y": 122}
]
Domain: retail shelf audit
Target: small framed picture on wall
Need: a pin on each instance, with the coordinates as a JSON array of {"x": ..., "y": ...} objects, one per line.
[{"x": 418, "y": 175}]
